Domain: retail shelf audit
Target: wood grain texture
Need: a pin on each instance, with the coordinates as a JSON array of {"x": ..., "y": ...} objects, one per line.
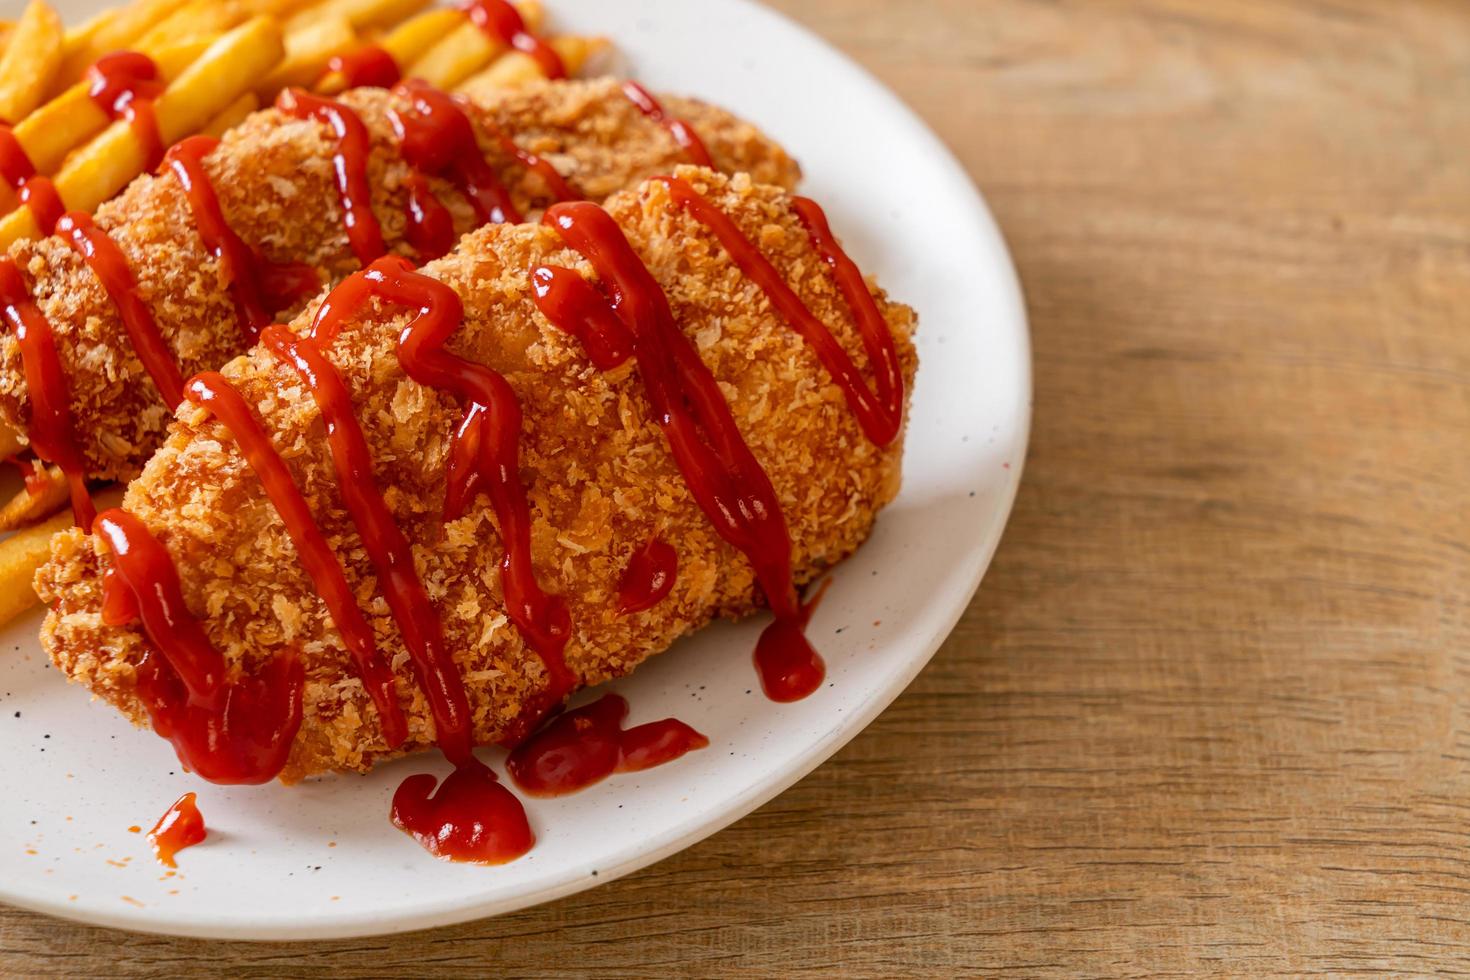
[{"x": 1209, "y": 711}]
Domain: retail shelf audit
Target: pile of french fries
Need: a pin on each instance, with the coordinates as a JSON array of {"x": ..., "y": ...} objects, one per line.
[{"x": 221, "y": 60}]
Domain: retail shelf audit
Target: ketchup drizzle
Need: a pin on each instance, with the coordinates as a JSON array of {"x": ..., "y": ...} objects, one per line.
[
  {"x": 350, "y": 162},
  {"x": 437, "y": 137},
  {"x": 181, "y": 826},
  {"x": 15, "y": 164},
  {"x": 371, "y": 66},
  {"x": 40, "y": 195},
  {"x": 51, "y": 432},
  {"x": 110, "y": 266},
  {"x": 123, "y": 85},
  {"x": 258, "y": 287},
  {"x": 225, "y": 731},
  {"x": 727, "y": 481},
  {"x": 213, "y": 392},
  {"x": 649, "y": 577},
  {"x": 680, "y": 130},
  {"x": 880, "y": 414},
  {"x": 502, "y": 22},
  {"x": 430, "y": 225},
  {"x": 585, "y": 746}
]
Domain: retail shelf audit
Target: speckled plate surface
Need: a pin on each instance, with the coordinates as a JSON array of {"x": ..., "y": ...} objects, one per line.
[{"x": 322, "y": 860}]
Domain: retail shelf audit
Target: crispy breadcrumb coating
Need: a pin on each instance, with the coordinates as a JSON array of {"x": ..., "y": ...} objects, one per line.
[
  {"x": 274, "y": 179},
  {"x": 600, "y": 478}
]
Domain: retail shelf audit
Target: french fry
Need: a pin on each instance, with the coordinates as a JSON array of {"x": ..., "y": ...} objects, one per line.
[
  {"x": 361, "y": 14},
  {"x": 307, "y": 53},
  {"x": 466, "y": 50},
  {"x": 31, "y": 60},
  {"x": 25, "y": 551},
  {"x": 27, "y": 507},
  {"x": 515, "y": 68},
  {"x": 117, "y": 32},
  {"x": 104, "y": 166},
  {"x": 407, "y": 43},
  {"x": 202, "y": 18},
  {"x": 232, "y": 115}
]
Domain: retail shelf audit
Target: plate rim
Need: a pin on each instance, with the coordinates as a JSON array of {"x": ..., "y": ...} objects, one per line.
[{"x": 696, "y": 828}]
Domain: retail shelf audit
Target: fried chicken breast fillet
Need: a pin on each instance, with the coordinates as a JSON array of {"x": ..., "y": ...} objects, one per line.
[
  {"x": 600, "y": 478},
  {"x": 274, "y": 178}
]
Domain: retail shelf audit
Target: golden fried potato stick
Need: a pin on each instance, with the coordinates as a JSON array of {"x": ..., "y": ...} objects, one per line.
[
  {"x": 466, "y": 50},
  {"x": 307, "y": 52},
  {"x": 31, "y": 60},
  {"x": 69, "y": 120},
  {"x": 407, "y": 43},
  {"x": 25, "y": 551},
  {"x": 28, "y": 507},
  {"x": 104, "y": 166},
  {"x": 232, "y": 115},
  {"x": 515, "y": 68},
  {"x": 117, "y": 31},
  {"x": 199, "y": 19},
  {"x": 361, "y": 14}
]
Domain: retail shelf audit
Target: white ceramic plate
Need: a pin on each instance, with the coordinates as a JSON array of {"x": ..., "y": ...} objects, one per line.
[{"x": 322, "y": 860}]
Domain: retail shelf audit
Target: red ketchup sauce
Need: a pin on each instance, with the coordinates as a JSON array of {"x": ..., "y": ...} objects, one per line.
[
  {"x": 585, "y": 746},
  {"x": 437, "y": 138},
  {"x": 211, "y": 391},
  {"x": 233, "y": 732},
  {"x": 258, "y": 287},
  {"x": 681, "y": 131},
  {"x": 370, "y": 66},
  {"x": 350, "y": 163},
  {"x": 472, "y": 817},
  {"x": 727, "y": 481},
  {"x": 180, "y": 827},
  {"x": 502, "y": 22},
  {"x": 50, "y": 429},
  {"x": 649, "y": 577},
  {"x": 123, "y": 85},
  {"x": 36, "y": 192},
  {"x": 430, "y": 225},
  {"x": 110, "y": 266}
]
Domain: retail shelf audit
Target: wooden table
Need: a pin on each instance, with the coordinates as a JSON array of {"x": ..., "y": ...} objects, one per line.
[{"x": 1209, "y": 711}]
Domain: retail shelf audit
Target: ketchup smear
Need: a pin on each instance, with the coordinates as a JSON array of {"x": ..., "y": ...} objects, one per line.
[
  {"x": 502, "y": 22},
  {"x": 180, "y": 827},
  {"x": 349, "y": 163},
  {"x": 585, "y": 746}
]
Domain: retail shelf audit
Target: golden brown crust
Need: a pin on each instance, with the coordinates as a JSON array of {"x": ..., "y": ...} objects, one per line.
[
  {"x": 600, "y": 479},
  {"x": 275, "y": 183}
]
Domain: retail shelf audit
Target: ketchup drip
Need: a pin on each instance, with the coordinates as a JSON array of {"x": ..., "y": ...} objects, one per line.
[
  {"x": 727, "y": 481},
  {"x": 555, "y": 182},
  {"x": 472, "y": 818},
  {"x": 880, "y": 413},
  {"x": 225, "y": 731},
  {"x": 109, "y": 265},
  {"x": 51, "y": 432},
  {"x": 211, "y": 391},
  {"x": 370, "y": 66},
  {"x": 350, "y": 162},
  {"x": 585, "y": 746},
  {"x": 180, "y": 827},
  {"x": 430, "y": 226},
  {"x": 680, "y": 130},
  {"x": 649, "y": 578},
  {"x": 502, "y": 22},
  {"x": 258, "y": 287},
  {"x": 438, "y": 138},
  {"x": 123, "y": 85}
]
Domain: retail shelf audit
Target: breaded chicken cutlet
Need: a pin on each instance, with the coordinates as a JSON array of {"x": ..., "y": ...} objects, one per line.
[
  {"x": 595, "y": 461},
  {"x": 277, "y": 186}
]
